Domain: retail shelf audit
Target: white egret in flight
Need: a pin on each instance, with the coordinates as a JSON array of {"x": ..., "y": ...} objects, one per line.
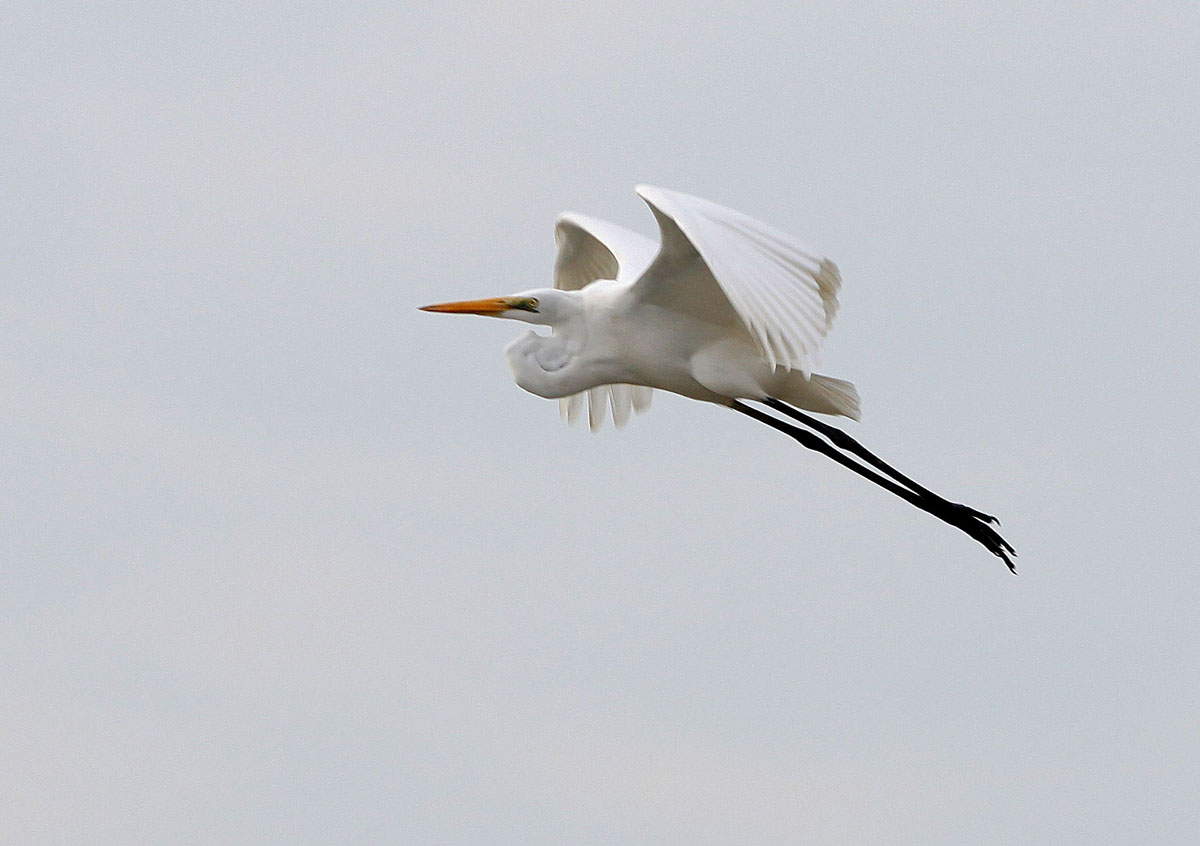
[{"x": 725, "y": 309}]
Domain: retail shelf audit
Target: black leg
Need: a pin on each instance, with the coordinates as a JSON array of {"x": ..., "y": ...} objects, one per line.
[
  {"x": 961, "y": 519},
  {"x": 846, "y": 442}
]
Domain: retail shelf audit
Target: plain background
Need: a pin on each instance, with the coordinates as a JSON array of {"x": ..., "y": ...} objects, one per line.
[{"x": 286, "y": 561}]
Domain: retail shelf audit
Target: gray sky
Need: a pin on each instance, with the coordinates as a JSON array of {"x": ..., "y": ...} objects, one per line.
[{"x": 286, "y": 561}]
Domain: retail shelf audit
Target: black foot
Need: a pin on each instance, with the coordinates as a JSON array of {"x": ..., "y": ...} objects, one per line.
[
  {"x": 978, "y": 515},
  {"x": 975, "y": 524}
]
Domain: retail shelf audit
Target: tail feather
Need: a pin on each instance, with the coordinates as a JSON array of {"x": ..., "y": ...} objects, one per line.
[
  {"x": 842, "y": 395},
  {"x": 822, "y": 394}
]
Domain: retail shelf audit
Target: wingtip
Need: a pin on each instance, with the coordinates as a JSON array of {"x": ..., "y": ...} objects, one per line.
[
  {"x": 648, "y": 192},
  {"x": 564, "y": 220}
]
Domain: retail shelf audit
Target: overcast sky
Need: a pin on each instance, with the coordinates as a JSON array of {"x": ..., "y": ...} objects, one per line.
[{"x": 285, "y": 561}]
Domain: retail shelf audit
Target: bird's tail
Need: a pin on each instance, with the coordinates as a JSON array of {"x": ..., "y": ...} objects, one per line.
[{"x": 822, "y": 394}]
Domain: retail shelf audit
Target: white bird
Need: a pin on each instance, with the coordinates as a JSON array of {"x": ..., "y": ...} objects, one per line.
[{"x": 724, "y": 309}]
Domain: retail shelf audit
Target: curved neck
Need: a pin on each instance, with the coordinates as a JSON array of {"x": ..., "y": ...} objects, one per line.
[{"x": 565, "y": 312}]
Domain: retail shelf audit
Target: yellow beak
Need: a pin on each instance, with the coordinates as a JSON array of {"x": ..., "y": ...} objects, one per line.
[{"x": 494, "y": 306}]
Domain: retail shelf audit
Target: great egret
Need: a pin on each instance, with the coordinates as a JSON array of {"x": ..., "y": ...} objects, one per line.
[{"x": 725, "y": 309}]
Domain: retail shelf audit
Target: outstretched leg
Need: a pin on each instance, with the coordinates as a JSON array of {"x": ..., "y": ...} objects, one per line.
[
  {"x": 846, "y": 442},
  {"x": 964, "y": 520}
]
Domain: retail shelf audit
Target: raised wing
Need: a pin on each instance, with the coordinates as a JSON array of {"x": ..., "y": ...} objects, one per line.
[
  {"x": 591, "y": 249},
  {"x": 726, "y": 266}
]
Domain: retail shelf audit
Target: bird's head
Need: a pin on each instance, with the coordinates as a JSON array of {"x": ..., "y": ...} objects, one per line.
[{"x": 544, "y": 306}]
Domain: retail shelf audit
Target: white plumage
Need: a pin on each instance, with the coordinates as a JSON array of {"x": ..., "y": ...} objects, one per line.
[
  {"x": 723, "y": 308},
  {"x": 713, "y": 266},
  {"x": 784, "y": 293},
  {"x": 591, "y": 249}
]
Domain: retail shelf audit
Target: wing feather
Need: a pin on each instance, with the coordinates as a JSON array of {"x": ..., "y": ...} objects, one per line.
[
  {"x": 641, "y": 397},
  {"x": 728, "y": 267},
  {"x": 591, "y": 249},
  {"x": 621, "y": 397}
]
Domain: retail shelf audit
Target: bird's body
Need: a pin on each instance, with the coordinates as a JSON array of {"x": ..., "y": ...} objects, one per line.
[
  {"x": 612, "y": 337},
  {"x": 723, "y": 309}
]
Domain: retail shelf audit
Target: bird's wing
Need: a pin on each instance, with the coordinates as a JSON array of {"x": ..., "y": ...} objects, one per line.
[
  {"x": 591, "y": 249},
  {"x": 595, "y": 403},
  {"x": 727, "y": 267}
]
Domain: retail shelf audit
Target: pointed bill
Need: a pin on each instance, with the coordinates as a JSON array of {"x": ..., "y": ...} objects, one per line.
[{"x": 495, "y": 305}]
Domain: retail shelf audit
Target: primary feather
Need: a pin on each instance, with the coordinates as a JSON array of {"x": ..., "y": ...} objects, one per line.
[{"x": 783, "y": 293}]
